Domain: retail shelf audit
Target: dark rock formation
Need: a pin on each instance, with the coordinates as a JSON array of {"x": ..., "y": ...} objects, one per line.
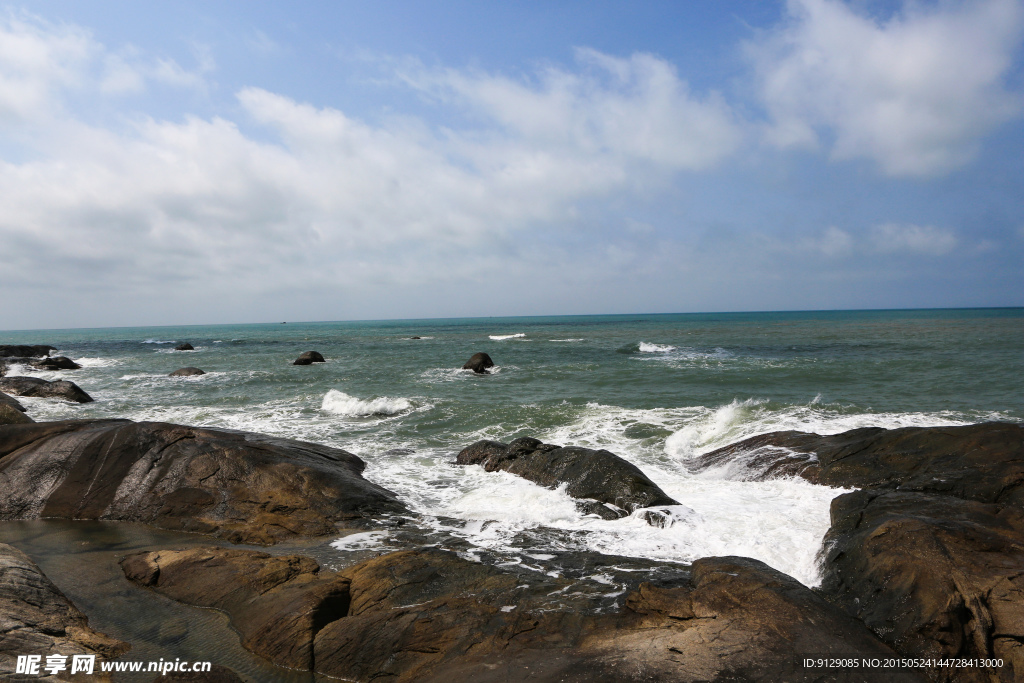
[
  {"x": 479, "y": 363},
  {"x": 596, "y": 475},
  {"x": 933, "y": 576},
  {"x": 11, "y": 401},
  {"x": 430, "y": 615},
  {"x": 983, "y": 462},
  {"x": 36, "y": 618},
  {"x": 9, "y": 415},
  {"x": 186, "y": 372},
  {"x": 57, "y": 363},
  {"x": 29, "y": 351},
  {"x": 3, "y": 367},
  {"x": 40, "y": 388},
  {"x": 248, "y": 488},
  {"x": 184, "y": 347},
  {"x": 308, "y": 358}
]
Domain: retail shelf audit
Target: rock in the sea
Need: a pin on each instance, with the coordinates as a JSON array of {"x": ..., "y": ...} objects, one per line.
[
  {"x": 184, "y": 347},
  {"x": 34, "y": 387},
  {"x": 596, "y": 475},
  {"x": 430, "y": 615},
  {"x": 11, "y": 401},
  {"x": 479, "y": 363},
  {"x": 982, "y": 462},
  {"x": 247, "y": 488},
  {"x": 186, "y": 372},
  {"x": 37, "y": 619},
  {"x": 308, "y": 358},
  {"x": 9, "y": 415},
  {"x": 57, "y": 363},
  {"x": 25, "y": 351},
  {"x": 934, "y": 576}
]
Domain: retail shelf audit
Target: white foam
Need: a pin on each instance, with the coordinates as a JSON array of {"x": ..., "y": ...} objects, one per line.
[
  {"x": 98, "y": 362},
  {"x": 566, "y": 340},
  {"x": 340, "y": 403},
  {"x": 655, "y": 348},
  {"x": 454, "y": 374},
  {"x": 499, "y": 337},
  {"x": 360, "y": 541},
  {"x": 158, "y": 341}
]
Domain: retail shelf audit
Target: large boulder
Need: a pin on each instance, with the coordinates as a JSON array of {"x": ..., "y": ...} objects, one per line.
[
  {"x": 983, "y": 462},
  {"x": 480, "y": 363},
  {"x": 34, "y": 387},
  {"x": 592, "y": 475},
  {"x": 934, "y": 576},
  {"x": 25, "y": 351},
  {"x": 37, "y": 619},
  {"x": 187, "y": 372},
  {"x": 9, "y": 415},
  {"x": 247, "y": 488},
  {"x": 56, "y": 363},
  {"x": 430, "y": 615},
  {"x": 11, "y": 401},
  {"x": 184, "y": 347},
  {"x": 308, "y": 358}
]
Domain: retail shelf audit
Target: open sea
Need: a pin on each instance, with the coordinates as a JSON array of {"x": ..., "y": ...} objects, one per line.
[{"x": 654, "y": 389}]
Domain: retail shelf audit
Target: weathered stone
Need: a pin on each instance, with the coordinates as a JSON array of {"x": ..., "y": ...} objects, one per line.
[
  {"x": 57, "y": 363},
  {"x": 588, "y": 474},
  {"x": 11, "y": 401},
  {"x": 184, "y": 347},
  {"x": 25, "y": 351},
  {"x": 308, "y": 358},
  {"x": 36, "y": 618},
  {"x": 186, "y": 372},
  {"x": 479, "y": 363},
  {"x": 34, "y": 387},
  {"x": 9, "y": 415},
  {"x": 248, "y": 488}
]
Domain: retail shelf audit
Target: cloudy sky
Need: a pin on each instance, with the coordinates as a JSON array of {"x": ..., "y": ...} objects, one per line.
[{"x": 197, "y": 162}]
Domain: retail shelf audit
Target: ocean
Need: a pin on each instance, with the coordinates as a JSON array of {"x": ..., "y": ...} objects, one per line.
[{"x": 654, "y": 389}]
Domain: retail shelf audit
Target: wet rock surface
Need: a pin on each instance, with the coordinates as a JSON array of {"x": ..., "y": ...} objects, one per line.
[
  {"x": 41, "y": 388},
  {"x": 934, "y": 576},
  {"x": 187, "y": 372},
  {"x": 240, "y": 486},
  {"x": 36, "y": 618},
  {"x": 480, "y": 363},
  {"x": 56, "y": 363},
  {"x": 9, "y": 415},
  {"x": 184, "y": 347},
  {"x": 308, "y": 358},
  {"x": 983, "y": 462},
  {"x": 597, "y": 475},
  {"x": 25, "y": 350}
]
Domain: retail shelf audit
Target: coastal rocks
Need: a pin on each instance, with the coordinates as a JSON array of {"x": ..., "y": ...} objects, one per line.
[
  {"x": 247, "y": 488},
  {"x": 982, "y": 462},
  {"x": 480, "y": 363},
  {"x": 36, "y": 618},
  {"x": 11, "y": 401},
  {"x": 184, "y": 347},
  {"x": 430, "y": 615},
  {"x": 9, "y": 415},
  {"x": 56, "y": 363},
  {"x": 590, "y": 475},
  {"x": 34, "y": 387},
  {"x": 308, "y": 358},
  {"x": 186, "y": 372},
  {"x": 25, "y": 351},
  {"x": 932, "y": 575}
]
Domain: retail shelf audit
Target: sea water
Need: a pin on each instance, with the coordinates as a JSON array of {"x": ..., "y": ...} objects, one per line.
[{"x": 657, "y": 390}]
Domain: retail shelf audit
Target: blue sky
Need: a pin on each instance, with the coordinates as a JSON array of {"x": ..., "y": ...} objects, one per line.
[{"x": 250, "y": 161}]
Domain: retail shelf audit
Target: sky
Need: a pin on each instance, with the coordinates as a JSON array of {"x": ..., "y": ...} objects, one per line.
[{"x": 232, "y": 162}]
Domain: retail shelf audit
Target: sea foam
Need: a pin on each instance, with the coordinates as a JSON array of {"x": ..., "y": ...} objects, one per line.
[{"x": 340, "y": 403}]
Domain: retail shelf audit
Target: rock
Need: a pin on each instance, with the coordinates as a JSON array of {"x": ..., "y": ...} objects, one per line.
[
  {"x": 596, "y": 475},
  {"x": 40, "y": 388},
  {"x": 26, "y": 351},
  {"x": 429, "y": 615},
  {"x": 9, "y": 415},
  {"x": 933, "y": 576},
  {"x": 415, "y": 337},
  {"x": 479, "y": 363},
  {"x": 57, "y": 363},
  {"x": 247, "y": 488},
  {"x": 308, "y": 358},
  {"x": 184, "y": 347},
  {"x": 982, "y": 462},
  {"x": 11, "y": 401},
  {"x": 3, "y": 367},
  {"x": 36, "y": 618},
  {"x": 186, "y": 372}
]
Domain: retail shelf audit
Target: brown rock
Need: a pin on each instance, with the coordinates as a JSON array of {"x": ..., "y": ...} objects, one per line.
[
  {"x": 480, "y": 363},
  {"x": 247, "y": 488},
  {"x": 57, "y": 363},
  {"x": 9, "y": 415},
  {"x": 186, "y": 372},
  {"x": 40, "y": 388},
  {"x": 308, "y": 358}
]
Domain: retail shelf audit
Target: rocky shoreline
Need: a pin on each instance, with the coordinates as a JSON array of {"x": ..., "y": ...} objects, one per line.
[{"x": 925, "y": 559}]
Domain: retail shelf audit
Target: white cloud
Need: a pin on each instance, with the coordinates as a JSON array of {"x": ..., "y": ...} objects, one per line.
[
  {"x": 915, "y": 92},
  {"x": 921, "y": 239}
]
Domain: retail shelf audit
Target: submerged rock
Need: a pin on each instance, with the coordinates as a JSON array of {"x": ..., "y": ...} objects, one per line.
[
  {"x": 57, "y": 363},
  {"x": 36, "y": 618},
  {"x": 186, "y": 372},
  {"x": 247, "y": 488},
  {"x": 598, "y": 476},
  {"x": 184, "y": 347},
  {"x": 308, "y": 358},
  {"x": 934, "y": 576},
  {"x": 480, "y": 363},
  {"x": 430, "y": 615},
  {"x": 40, "y": 388},
  {"x": 983, "y": 462},
  {"x": 26, "y": 351}
]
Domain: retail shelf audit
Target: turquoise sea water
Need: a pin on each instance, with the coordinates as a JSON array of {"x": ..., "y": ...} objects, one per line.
[{"x": 655, "y": 389}]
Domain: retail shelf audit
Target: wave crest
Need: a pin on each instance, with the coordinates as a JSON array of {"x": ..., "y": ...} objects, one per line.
[{"x": 340, "y": 403}]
